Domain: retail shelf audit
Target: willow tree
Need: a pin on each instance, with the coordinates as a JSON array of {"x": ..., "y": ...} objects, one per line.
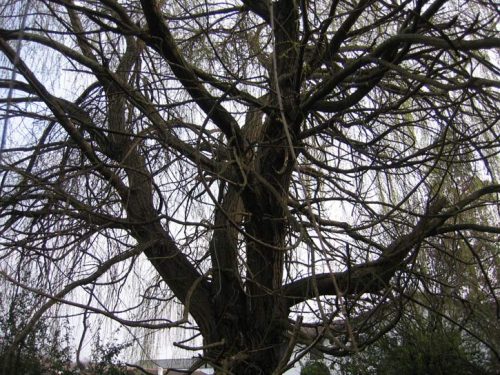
[{"x": 282, "y": 166}]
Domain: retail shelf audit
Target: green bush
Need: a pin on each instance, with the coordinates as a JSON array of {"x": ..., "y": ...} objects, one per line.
[
  {"x": 44, "y": 351},
  {"x": 419, "y": 345},
  {"x": 315, "y": 368},
  {"x": 105, "y": 358}
]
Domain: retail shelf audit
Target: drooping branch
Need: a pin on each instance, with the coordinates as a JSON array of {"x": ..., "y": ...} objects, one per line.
[
  {"x": 373, "y": 276},
  {"x": 59, "y": 113},
  {"x": 171, "y": 264},
  {"x": 163, "y": 41}
]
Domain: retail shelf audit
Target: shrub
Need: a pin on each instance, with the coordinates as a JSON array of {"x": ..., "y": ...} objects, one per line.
[{"x": 315, "y": 368}]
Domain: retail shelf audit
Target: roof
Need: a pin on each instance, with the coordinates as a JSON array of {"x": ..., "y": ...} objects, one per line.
[{"x": 172, "y": 363}]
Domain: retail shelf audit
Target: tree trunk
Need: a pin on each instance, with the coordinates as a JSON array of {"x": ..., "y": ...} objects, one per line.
[{"x": 253, "y": 345}]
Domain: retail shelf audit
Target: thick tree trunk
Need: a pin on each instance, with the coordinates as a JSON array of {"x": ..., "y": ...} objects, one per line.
[{"x": 253, "y": 346}]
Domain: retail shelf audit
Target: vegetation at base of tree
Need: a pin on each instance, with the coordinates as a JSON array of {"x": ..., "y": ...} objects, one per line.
[
  {"x": 104, "y": 358},
  {"x": 315, "y": 367},
  {"x": 44, "y": 351},
  {"x": 422, "y": 343}
]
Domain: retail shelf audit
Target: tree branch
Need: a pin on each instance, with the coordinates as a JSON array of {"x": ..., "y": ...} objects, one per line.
[
  {"x": 371, "y": 277},
  {"x": 163, "y": 42}
]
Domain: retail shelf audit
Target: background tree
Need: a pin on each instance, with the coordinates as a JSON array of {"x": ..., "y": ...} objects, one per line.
[
  {"x": 280, "y": 166},
  {"x": 423, "y": 342}
]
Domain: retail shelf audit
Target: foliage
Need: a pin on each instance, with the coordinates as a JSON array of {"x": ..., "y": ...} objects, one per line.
[
  {"x": 315, "y": 368},
  {"x": 104, "y": 359},
  {"x": 44, "y": 351},
  {"x": 422, "y": 343},
  {"x": 256, "y": 174}
]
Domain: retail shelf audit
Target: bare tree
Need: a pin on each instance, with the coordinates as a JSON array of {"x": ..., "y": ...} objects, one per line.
[{"x": 287, "y": 168}]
